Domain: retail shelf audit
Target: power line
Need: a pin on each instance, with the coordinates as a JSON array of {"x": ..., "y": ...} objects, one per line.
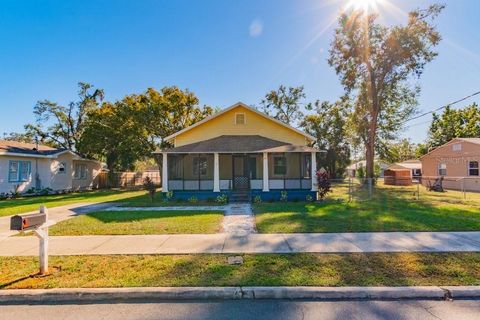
[{"x": 443, "y": 107}]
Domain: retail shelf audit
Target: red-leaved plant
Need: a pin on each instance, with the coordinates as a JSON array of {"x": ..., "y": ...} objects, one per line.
[{"x": 323, "y": 183}]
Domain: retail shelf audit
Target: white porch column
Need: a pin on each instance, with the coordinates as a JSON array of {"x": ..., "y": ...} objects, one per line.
[
  {"x": 265, "y": 172},
  {"x": 164, "y": 172},
  {"x": 314, "y": 171},
  {"x": 216, "y": 173}
]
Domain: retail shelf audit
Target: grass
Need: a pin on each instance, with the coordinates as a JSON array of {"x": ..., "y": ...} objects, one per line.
[
  {"x": 355, "y": 269},
  {"x": 391, "y": 208},
  {"x": 124, "y": 198},
  {"x": 26, "y": 204},
  {"x": 139, "y": 222}
]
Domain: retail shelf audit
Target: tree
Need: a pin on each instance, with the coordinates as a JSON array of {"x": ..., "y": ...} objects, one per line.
[
  {"x": 284, "y": 104},
  {"x": 461, "y": 123},
  {"x": 327, "y": 124},
  {"x": 398, "y": 151},
  {"x": 20, "y": 137},
  {"x": 129, "y": 130},
  {"x": 63, "y": 126},
  {"x": 375, "y": 64}
]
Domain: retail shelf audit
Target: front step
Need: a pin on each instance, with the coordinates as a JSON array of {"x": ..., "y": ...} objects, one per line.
[{"x": 240, "y": 196}]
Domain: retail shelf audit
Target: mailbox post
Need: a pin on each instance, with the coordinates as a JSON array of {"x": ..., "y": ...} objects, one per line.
[{"x": 39, "y": 223}]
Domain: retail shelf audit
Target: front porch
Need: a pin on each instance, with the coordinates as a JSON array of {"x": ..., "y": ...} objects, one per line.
[{"x": 207, "y": 175}]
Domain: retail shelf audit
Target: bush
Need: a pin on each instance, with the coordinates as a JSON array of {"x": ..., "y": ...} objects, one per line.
[
  {"x": 193, "y": 199},
  {"x": 222, "y": 199},
  {"x": 169, "y": 196},
  {"x": 283, "y": 196},
  {"x": 150, "y": 187},
  {"x": 257, "y": 199},
  {"x": 309, "y": 198},
  {"x": 44, "y": 191},
  {"x": 323, "y": 183},
  {"x": 31, "y": 190}
]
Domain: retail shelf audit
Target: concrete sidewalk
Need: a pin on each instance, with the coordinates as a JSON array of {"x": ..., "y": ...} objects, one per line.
[
  {"x": 251, "y": 243},
  {"x": 57, "y": 214}
]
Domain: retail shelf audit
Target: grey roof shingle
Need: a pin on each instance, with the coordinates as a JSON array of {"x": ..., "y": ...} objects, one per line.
[
  {"x": 238, "y": 144},
  {"x": 27, "y": 148}
]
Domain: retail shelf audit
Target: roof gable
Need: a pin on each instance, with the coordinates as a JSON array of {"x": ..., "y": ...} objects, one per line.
[{"x": 239, "y": 106}]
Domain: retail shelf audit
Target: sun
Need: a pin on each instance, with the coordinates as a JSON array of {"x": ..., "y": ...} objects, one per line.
[{"x": 363, "y": 5}]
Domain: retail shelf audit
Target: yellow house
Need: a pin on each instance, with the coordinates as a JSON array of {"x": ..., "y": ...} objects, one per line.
[{"x": 242, "y": 153}]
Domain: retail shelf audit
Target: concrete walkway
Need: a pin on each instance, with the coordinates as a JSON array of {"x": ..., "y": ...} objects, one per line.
[
  {"x": 250, "y": 243},
  {"x": 57, "y": 214}
]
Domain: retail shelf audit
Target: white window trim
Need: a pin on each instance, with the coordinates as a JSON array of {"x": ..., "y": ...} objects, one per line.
[
  {"x": 478, "y": 168},
  {"x": 64, "y": 164},
  {"x": 439, "y": 168},
  {"x": 77, "y": 175},
  {"x": 244, "y": 118}
]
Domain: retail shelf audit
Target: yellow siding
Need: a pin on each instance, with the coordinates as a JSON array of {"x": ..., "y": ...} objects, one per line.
[{"x": 225, "y": 125}]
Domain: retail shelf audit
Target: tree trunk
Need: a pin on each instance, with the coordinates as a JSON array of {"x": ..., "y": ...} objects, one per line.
[{"x": 370, "y": 154}]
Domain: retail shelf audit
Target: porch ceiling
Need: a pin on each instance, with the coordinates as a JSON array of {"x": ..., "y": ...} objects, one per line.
[{"x": 239, "y": 144}]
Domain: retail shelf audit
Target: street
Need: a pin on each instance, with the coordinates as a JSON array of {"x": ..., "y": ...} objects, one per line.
[{"x": 248, "y": 309}]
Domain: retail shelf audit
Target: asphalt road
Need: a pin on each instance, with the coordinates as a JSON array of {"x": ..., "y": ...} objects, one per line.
[{"x": 245, "y": 309}]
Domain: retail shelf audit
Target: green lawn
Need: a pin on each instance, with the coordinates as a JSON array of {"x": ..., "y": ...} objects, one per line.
[
  {"x": 26, "y": 204},
  {"x": 355, "y": 269},
  {"x": 159, "y": 201},
  {"x": 391, "y": 209},
  {"x": 139, "y": 222}
]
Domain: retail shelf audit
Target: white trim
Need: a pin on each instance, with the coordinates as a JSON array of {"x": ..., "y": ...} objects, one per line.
[
  {"x": 216, "y": 172},
  {"x": 76, "y": 157},
  {"x": 265, "y": 173},
  {"x": 314, "y": 171},
  {"x": 164, "y": 173},
  {"x": 239, "y": 104}
]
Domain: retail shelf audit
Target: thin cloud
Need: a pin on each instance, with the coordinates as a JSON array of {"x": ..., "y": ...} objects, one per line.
[{"x": 256, "y": 28}]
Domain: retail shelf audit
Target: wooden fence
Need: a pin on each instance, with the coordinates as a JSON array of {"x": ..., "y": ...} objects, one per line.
[{"x": 127, "y": 180}]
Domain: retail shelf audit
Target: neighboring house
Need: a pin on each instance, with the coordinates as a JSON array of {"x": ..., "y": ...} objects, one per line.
[
  {"x": 403, "y": 173},
  {"x": 24, "y": 166},
  {"x": 457, "y": 162},
  {"x": 352, "y": 169},
  {"x": 243, "y": 153}
]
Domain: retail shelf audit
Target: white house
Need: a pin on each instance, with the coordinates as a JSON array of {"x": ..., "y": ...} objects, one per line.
[{"x": 24, "y": 166}]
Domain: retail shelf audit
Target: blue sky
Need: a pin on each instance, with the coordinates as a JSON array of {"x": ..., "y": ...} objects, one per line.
[{"x": 224, "y": 51}]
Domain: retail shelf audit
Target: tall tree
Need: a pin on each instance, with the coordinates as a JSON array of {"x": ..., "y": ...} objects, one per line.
[
  {"x": 284, "y": 104},
  {"x": 327, "y": 124},
  {"x": 375, "y": 64},
  {"x": 461, "y": 123},
  {"x": 130, "y": 129},
  {"x": 63, "y": 126}
]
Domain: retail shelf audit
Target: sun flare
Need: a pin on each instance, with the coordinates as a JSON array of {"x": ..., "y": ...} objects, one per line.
[{"x": 364, "y": 5}]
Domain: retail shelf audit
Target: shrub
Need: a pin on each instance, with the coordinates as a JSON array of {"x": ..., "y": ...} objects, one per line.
[
  {"x": 283, "y": 196},
  {"x": 45, "y": 191},
  {"x": 257, "y": 199},
  {"x": 14, "y": 193},
  {"x": 309, "y": 198},
  {"x": 222, "y": 199},
  {"x": 193, "y": 199},
  {"x": 168, "y": 196},
  {"x": 31, "y": 190},
  {"x": 323, "y": 183},
  {"x": 150, "y": 187}
]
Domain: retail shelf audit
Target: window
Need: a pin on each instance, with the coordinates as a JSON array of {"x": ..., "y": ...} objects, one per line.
[
  {"x": 239, "y": 118},
  {"x": 80, "y": 171},
  {"x": 279, "y": 165},
  {"x": 62, "y": 168},
  {"x": 417, "y": 172},
  {"x": 19, "y": 171},
  {"x": 457, "y": 147},
  {"x": 473, "y": 168},
  {"x": 306, "y": 168},
  {"x": 442, "y": 169},
  {"x": 200, "y": 166}
]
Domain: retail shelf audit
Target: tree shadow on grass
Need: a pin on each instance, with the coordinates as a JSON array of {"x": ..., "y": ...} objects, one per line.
[{"x": 386, "y": 211}]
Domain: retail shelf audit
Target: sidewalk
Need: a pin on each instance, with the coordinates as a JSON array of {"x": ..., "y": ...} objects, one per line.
[
  {"x": 57, "y": 214},
  {"x": 250, "y": 243}
]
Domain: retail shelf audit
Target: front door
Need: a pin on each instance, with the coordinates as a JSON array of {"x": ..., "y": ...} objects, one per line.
[{"x": 241, "y": 180}]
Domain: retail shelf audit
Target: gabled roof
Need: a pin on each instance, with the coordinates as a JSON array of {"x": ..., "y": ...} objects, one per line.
[
  {"x": 469, "y": 140},
  {"x": 238, "y": 144},
  {"x": 406, "y": 165},
  {"x": 239, "y": 104},
  {"x": 22, "y": 149}
]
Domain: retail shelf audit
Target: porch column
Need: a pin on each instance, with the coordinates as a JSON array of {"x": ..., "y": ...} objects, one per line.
[
  {"x": 164, "y": 172},
  {"x": 265, "y": 172},
  {"x": 216, "y": 173},
  {"x": 314, "y": 171}
]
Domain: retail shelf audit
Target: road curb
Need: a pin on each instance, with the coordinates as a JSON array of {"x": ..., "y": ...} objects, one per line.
[{"x": 234, "y": 293}]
